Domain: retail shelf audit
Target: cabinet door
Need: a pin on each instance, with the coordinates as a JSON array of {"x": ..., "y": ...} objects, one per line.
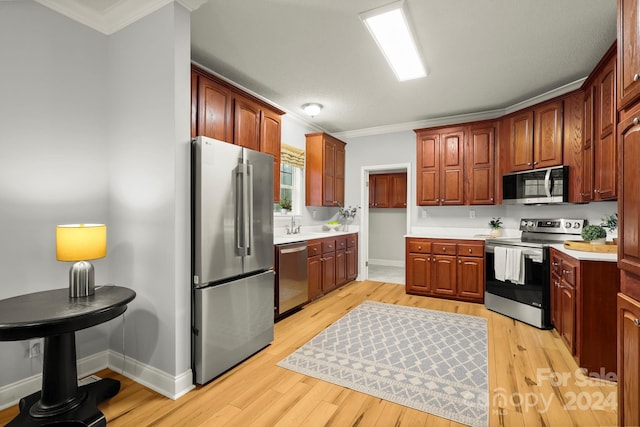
[
  {"x": 398, "y": 190},
  {"x": 341, "y": 268},
  {"x": 339, "y": 174},
  {"x": 628, "y": 47},
  {"x": 444, "y": 274},
  {"x": 314, "y": 276},
  {"x": 628, "y": 361},
  {"x": 246, "y": 131},
  {"x": 452, "y": 172},
  {"x": 629, "y": 197},
  {"x": 379, "y": 190},
  {"x": 418, "y": 274},
  {"x": 556, "y": 301},
  {"x": 568, "y": 315},
  {"x": 547, "y": 143},
  {"x": 328, "y": 272},
  {"x": 586, "y": 190},
  {"x": 194, "y": 104},
  {"x": 480, "y": 156},
  {"x": 605, "y": 160},
  {"x": 428, "y": 170},
  {"x": 214, "y": 110},
  {"x": 521, "y": 147},
  {"x": 270, "y": 135},
  {"x": 471, "y": 278},
  {"x": 352, "y": 263}
]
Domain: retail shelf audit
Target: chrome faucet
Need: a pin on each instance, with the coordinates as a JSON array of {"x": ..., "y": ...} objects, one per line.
[{"x": 293, "y": 229}]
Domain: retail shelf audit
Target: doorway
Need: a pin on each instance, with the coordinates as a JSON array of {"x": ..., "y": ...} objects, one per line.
[{"x": 382, "y": 230}]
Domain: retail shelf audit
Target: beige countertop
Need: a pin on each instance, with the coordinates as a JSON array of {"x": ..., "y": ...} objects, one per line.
[
  {"x": 458, "y": 233},
  {"x": 587, "y": 256}
]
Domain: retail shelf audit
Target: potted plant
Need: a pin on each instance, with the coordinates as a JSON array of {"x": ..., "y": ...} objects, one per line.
[
  {"x": 285, "y": 205},
  {"x": 495, "y": 224},
  {"x": 596, "y": 234},
  {"x": 610, "y": 222}
]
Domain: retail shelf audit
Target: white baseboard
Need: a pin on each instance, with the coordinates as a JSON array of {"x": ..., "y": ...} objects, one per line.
[
  {"x": 386, "y": 262},
  {"x": 153, "y": 378}
]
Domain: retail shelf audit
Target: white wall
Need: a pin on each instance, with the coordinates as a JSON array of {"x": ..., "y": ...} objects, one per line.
[
  {"x": 149, "y": 185},
  {"x": 53, "y": 160},
  {"x": 96, "y": 129},
  {"x": 387, "y": 228}
]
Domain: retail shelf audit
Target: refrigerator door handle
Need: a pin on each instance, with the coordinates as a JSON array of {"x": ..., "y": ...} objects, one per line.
[
  {"x": 249, "y": 212},
  {"x": 241, "y": 211}
]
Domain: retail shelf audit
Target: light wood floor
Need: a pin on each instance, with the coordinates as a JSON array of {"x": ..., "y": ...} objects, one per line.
[{"x": 522, "y": 360}]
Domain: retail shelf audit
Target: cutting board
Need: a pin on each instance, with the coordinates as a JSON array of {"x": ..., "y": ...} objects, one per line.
[{"x": 581, "y": 245}]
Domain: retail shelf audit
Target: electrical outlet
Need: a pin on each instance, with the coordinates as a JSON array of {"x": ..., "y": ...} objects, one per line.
[
  {"x": 313, "y": 214},
  {"x": 424, "y": 214},
  {"x": 35, "y": 348},
  {"x": 472, "y": 214}
]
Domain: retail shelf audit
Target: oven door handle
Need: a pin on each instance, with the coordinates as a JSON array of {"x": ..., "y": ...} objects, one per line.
[{"x": 535, "y": 255}]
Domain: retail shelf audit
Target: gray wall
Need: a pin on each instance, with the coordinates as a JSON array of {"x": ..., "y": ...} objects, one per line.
[
  {"x": 96, "y": 129},
  {"x": 387, "y": 228}
]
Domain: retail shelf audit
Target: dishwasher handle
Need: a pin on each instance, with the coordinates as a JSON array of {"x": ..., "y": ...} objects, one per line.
[{"x": 293, "y": 249}]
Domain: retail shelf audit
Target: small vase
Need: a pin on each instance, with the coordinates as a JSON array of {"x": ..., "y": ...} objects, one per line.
[
  {"x": 495, "y": 232},
  {"x": 600, "y": 241}
]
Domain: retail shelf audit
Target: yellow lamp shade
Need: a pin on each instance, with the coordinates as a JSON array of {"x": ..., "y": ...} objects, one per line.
[{"x": 81, "y": 242}]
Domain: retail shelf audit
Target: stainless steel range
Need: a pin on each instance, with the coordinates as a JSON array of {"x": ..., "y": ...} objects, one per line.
[{"x": 517, "y": 269}]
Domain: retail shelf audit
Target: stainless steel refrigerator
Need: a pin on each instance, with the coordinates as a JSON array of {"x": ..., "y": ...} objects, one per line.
[{"x": 232, "y": 255}]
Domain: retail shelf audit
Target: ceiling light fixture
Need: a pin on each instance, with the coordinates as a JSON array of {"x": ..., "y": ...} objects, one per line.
[
  {"x": 312, "y": 108},
  {"x": 390, "y": 29}
]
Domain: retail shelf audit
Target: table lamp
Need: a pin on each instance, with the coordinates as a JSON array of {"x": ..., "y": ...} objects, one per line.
[{"x": 80, "y": 243}]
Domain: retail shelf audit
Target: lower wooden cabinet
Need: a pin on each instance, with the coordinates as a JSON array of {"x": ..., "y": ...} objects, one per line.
[
  {"x": 583, "y": 300},
  {"x": 445, "y": 268},
  {"x": 331, "y": 263},
  {"x": 628, "y": 361}
]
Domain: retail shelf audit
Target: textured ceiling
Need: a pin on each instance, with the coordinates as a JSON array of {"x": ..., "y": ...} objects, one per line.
[{"x": 482, "y": 55}]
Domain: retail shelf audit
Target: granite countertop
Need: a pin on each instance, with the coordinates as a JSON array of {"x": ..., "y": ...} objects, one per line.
[
  {"x": 280, "y": 239},
  {"x": 586, "y": 256}
]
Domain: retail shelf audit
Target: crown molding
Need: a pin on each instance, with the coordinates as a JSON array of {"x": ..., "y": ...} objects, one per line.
[
  {"x": 461, "y": 118},
  {"x": 115, "y": 16}
]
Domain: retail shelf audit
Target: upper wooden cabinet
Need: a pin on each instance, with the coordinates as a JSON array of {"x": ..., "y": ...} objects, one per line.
[
  {"x": 480, "y": 170},
  {"x": 536, "y": 137},
  {"x": 324, "y": 171},
  {"x": 456, "y": 166},
  {"x": 628, "y": 57},
  {"x": 629, "y": 197},
  {"x": 222, "y": 111},
  {"x": 440, "y": 156},
  {"x": 388, "y": 190}
]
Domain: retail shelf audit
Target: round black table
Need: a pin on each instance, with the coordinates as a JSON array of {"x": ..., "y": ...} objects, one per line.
[{"x": 55, "y": 316}]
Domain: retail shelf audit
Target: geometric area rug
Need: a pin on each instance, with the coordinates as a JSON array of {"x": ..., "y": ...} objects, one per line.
[{"x": 428, "y": 360}]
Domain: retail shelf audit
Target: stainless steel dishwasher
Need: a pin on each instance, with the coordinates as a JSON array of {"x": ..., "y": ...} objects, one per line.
[{"x": 291, "y": 277}]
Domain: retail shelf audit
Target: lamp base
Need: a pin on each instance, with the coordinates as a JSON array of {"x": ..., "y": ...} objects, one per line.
[{"x": 81, "y": 279}]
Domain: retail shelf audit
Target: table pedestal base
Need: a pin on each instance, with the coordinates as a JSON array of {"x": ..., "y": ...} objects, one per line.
[{"x": 82, "y": 412}]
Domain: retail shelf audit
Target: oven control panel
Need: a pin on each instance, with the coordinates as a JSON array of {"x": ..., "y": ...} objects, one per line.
[{"x": 559, "y": 225}]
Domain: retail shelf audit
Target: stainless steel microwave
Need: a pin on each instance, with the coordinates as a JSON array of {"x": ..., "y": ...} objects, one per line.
[{"x": 537, "y": 186}]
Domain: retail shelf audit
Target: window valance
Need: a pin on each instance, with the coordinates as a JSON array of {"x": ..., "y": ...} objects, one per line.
[{"x": 292, "y": 156}]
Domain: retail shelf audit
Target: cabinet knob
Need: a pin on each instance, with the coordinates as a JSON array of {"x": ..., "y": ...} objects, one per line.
[
  {"x": 636, "y": 322},
  {"x": 491, "y": 199},
  {"x": 469, "y": 250},
  {"x": 459, "y": 261},
  {"x": 555, "y": 264},
  {"x": 636, "y": 76},
  {"x": 596, "y": 191},
  {"x": 535, "y": 163},
  {"x": 428, "y": 258},
  {"x": 529, "y": 164},
  {"x": 419, "y": 248},
  {"x": 636, "y": 121},
  {"x": 444, "y": 249}
]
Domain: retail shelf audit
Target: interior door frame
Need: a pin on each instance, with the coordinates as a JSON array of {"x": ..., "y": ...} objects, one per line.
[{"x": 363, "y": 243}]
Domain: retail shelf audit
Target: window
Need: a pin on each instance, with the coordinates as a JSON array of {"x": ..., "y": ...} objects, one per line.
[{"x": 290, "y": 188}]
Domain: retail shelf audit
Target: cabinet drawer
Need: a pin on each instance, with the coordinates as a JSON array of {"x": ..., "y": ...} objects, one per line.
[
  {"x": 351, "y": 241},
  {"x": 314, "y": 249},
  {"x": 419, "y": 246},
  {"x": 470, "y": 249},
  {"x": 444, "y": 248},
  {"x": 328, "y": 246},
  {"x": 341, "y": 243}
]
